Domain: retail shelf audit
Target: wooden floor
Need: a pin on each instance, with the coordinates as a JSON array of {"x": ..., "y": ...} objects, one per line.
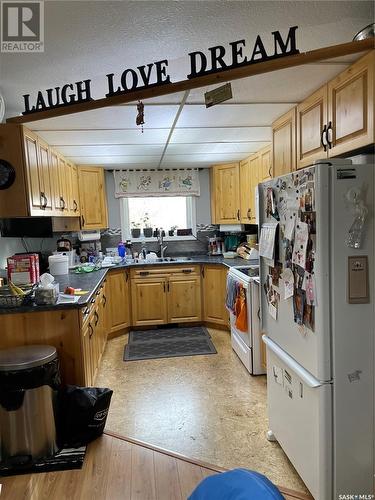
[{"x": 117, "y": 468}]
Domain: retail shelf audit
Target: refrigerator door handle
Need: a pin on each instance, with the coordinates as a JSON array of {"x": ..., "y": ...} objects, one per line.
[{"x": 303, "y": 374}]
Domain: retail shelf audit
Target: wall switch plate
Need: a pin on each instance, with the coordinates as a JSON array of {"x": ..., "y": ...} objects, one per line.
[{"x": 358, "y": 286}]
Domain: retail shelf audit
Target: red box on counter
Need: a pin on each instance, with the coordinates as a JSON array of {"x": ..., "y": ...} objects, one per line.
[{"x": 23, "y": 269}]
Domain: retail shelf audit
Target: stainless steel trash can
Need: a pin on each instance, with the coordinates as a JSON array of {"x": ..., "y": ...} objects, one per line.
[{"x": 29, "y": 378}]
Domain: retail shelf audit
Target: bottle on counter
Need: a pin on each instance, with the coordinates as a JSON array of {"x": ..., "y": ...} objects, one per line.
[{"x": 121, "y": 249}]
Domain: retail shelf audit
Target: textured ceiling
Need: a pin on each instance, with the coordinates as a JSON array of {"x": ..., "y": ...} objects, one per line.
[{"x": 87, "y": 39}]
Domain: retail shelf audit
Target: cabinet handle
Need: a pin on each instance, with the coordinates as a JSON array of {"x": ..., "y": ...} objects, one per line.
[
  {"x": 62, "y": 201},
  {"x": 249, "y": 213},
  {"x": 93, "y": 300},
  {"x": 45, "y": 201},
  {"x": 82, "y": 221},
  {"x": 187, "y": 271},
  {"x": 75, "y": 206},
  {"x": 97, "y": 292},
  {"x": 329, "y": 135},
  {"x": 91, "y": 331},
  {"x": 104, "y": 300},
  {"x": 126, "y": 276},
  {"x": 168, "y": 286},
  {"x": 96, "y": 318},
  {"x": 144, "y": 273},
  {"x": 42, "y": 199},
  {"x": 202, "y": 271},
  {"x": 238, "y": 214},
  {"x": 270, "y": 173},
  {"x": 164, "y": 286},
  {"x": 324, "y": 136}
]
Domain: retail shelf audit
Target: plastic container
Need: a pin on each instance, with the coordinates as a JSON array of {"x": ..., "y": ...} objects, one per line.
[{"x": 58, "y": 264}]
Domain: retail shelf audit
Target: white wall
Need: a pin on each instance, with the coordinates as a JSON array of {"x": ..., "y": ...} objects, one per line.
[{"x": 203, "y": 208}]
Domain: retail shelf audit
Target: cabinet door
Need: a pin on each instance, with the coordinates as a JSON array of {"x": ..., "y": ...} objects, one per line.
[
  {"x": 92, "y": 198},
  {"x": 265, "y": 170},
  {"x": 227, "y": 192},
  {"x": 117, "y": 292},
  {"x": 214, "y": 294},
  {"x": 149, "y": 301},
  {"x": 75, "y": 205},
  {"x": 351, "y": 107},
  {"x": 311, "y": 127},
  {"x": 45, "y": 177},
  {"x": 33, "y": 173},
  {"x": 64, "y": 185},
  {"x": 284, "y": 144},
  {"x": 87, "y": 332},
  {"x": 184, "y": 299},
  {"x": 245, "y": 191},
  {"x": 56, "y": 184},
  {"x": 253, "y": 182}
]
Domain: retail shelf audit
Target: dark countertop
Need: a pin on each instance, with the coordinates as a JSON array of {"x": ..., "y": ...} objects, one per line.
[{"x": 92, "y": 281}]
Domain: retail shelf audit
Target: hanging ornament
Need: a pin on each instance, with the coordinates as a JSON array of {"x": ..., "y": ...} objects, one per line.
[{"x": 140, "y": 116}]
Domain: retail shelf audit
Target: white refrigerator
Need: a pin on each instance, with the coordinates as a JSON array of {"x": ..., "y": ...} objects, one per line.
[{"x": 316, "y": 230}]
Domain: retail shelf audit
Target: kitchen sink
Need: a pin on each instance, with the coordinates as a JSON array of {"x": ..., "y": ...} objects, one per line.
[{"x": 161, "y": 259}]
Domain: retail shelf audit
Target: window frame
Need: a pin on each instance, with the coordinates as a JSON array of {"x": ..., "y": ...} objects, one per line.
[{"x": 191, "y": 218}]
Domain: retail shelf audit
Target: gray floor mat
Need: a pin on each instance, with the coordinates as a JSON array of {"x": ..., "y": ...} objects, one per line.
[{"x": 168, "y": 342}]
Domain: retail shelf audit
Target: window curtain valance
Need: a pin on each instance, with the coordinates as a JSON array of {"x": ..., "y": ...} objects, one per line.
[{"x": 168, "y": 182}]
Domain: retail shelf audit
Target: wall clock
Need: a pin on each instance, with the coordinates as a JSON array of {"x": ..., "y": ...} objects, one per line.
[
  {"x": 7, "y": 174},
  {"x": 2, "y": 108}
]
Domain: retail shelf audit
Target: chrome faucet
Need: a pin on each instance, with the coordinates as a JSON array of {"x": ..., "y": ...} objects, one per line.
[{"x": 160, "y": 242}]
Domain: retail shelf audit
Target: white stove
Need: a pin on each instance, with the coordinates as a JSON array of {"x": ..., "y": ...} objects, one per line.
[{"x": 247, "y": 345}]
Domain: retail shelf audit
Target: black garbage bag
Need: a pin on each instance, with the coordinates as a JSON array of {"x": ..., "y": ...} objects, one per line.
[{"x": 82, "y": 414}]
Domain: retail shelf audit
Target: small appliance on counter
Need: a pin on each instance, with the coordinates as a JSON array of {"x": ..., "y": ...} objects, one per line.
[{"x": 63, "y": 244}]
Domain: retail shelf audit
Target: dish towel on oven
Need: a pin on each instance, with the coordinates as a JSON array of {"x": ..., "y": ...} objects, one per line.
[
  {"x": 231, "y": 294},
  {"x": 241, "y": 310}
]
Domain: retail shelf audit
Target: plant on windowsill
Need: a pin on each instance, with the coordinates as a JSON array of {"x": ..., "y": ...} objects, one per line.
[
  {"x": 136, "y": 230},
  {"x": 172, "y": 230},
  {"x": 147, "y": 230}
]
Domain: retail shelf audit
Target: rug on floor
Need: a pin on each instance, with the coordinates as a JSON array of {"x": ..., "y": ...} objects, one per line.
[
  {"x": 168, "y": 343},
  {"x": 65, "y": 459}
]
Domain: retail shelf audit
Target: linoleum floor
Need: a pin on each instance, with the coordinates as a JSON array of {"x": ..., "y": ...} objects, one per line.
[{"x": 204, "y": 407}]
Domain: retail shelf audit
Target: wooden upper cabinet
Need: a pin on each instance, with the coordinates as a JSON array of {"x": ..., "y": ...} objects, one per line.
[
  {"x": 227, "y": 193},
  {"x": 45, "y": 177},
  {"x": 351, "y": 107},
  {"x": 245, "y": 191},
  {"x": 311, "y": 128},
  {"x": 92, "y": 197},
  {"x": 284, "y": 143},
  {"x": 75, "y": 204},
  {"x": 33, "y": 172},
  {"x": 265, "y": 170}
]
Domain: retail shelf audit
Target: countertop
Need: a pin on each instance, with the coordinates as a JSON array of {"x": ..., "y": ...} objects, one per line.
[{"x": 91, "y": 281}]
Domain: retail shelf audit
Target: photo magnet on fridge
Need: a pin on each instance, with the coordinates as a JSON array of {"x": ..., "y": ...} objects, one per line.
[{"x": 299, "y": 306}]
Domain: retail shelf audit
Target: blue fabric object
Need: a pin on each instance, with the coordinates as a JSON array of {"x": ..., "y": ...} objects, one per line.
[{"x": 236, "y": 484}]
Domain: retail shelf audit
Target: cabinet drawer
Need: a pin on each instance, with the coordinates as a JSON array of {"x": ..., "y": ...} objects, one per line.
[{"x": 165, "y": 271}]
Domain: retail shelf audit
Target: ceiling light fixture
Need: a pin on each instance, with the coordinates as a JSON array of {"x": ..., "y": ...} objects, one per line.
[{"x": 140, "y": 119}]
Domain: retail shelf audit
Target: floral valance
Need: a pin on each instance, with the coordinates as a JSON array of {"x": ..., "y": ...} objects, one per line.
[{"x": 167, "y": 182}]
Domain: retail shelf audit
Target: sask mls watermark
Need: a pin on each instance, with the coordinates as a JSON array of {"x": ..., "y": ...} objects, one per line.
[{"x": 22, "y": 26}]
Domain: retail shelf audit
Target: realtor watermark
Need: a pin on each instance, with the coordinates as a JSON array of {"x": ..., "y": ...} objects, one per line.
[
  {"x": 22, "y": 26},
  {"x": 358, "y": 496}
]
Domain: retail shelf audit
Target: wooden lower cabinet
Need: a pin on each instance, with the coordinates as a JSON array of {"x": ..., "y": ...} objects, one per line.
[
  {"x": 149, "y": 301},
  {"x": 118, "y": 300},
  {"x": 171, "y": 294},
  {"x": 184, "y": 299},
  {"x": 214, "y": 284}
]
